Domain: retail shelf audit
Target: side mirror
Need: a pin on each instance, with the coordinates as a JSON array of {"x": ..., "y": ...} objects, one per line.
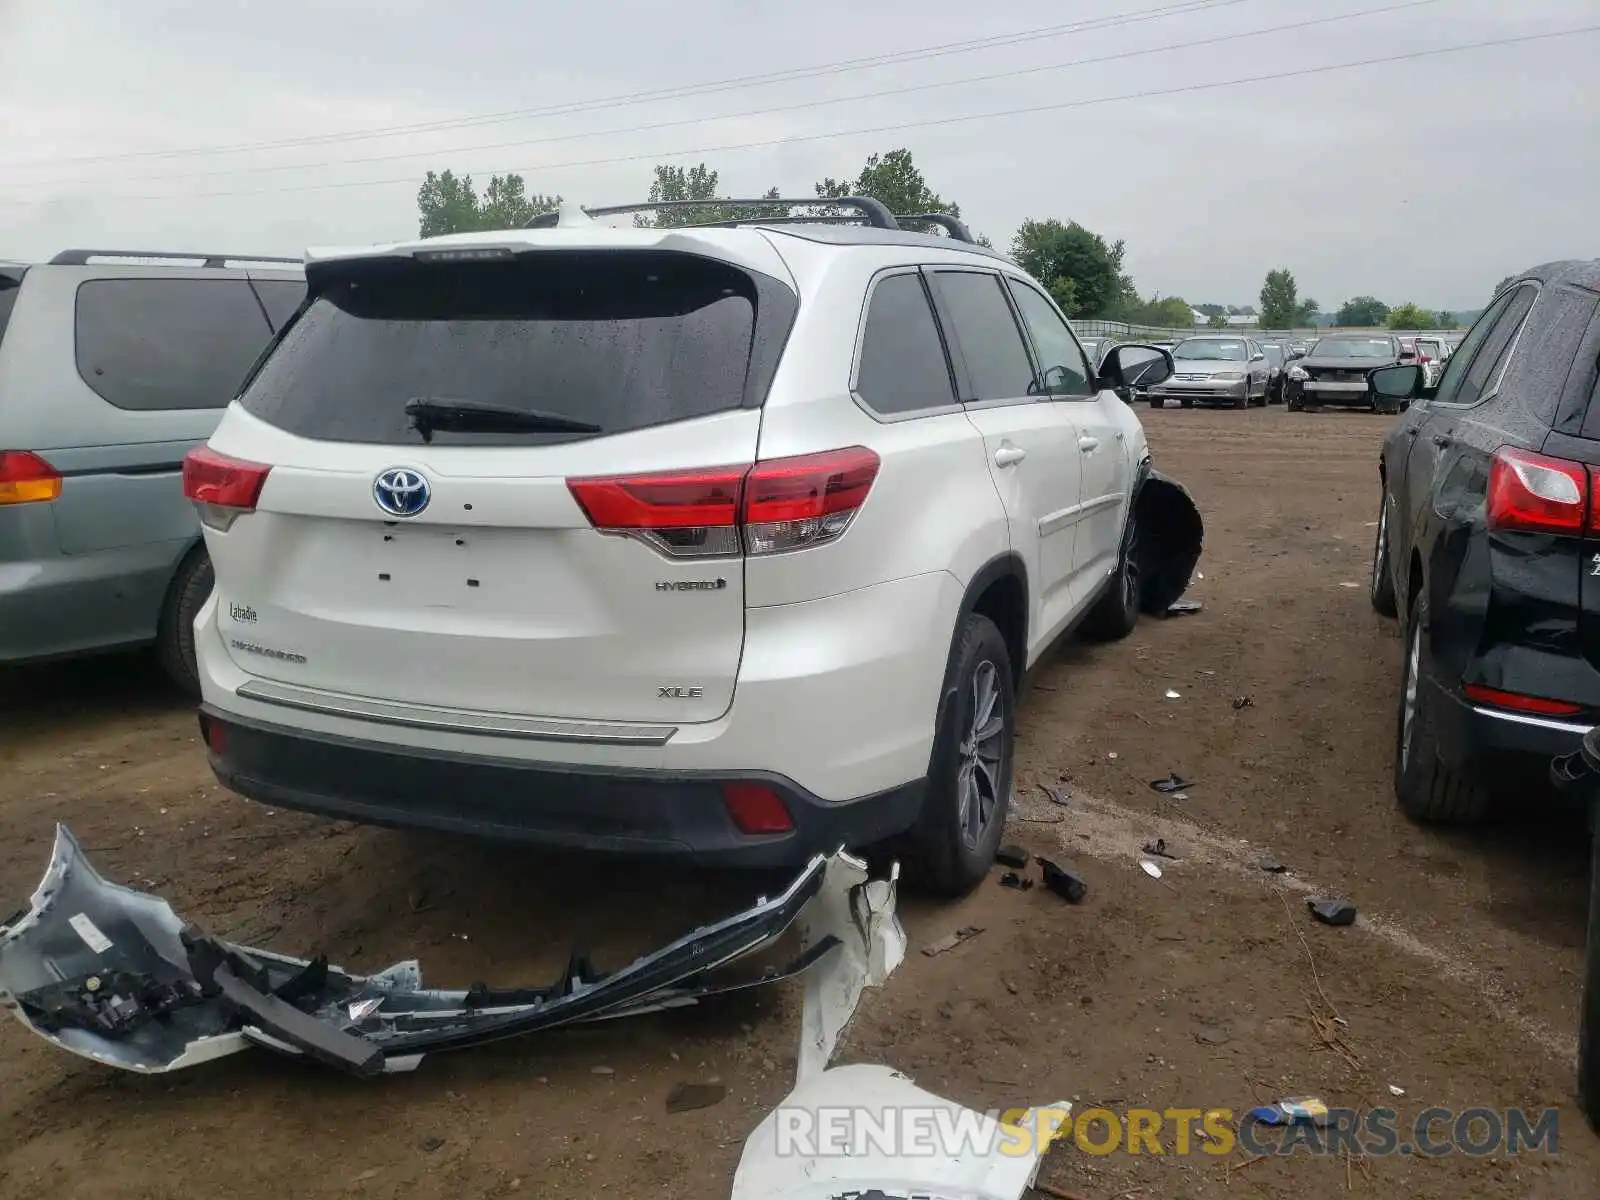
[
  {"x": 1258, "y": 358},
  {"x": 1294, "y": 354},
  {"x": 1403, "y": 382},
  {"x": 1133, "y": 363}
]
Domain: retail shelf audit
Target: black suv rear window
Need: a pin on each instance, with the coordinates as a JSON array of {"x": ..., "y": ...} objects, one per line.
[
  {"x": 620, "y": 340},
  {"x": 168, "y": 343}
]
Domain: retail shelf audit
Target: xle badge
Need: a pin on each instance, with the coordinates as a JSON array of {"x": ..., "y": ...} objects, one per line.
[{"x": 679, "y": 693}]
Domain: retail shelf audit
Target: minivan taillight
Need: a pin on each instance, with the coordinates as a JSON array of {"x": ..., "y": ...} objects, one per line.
[
  {"x": 1535, "y": 493},
  {"x": 777, "y": 505},
  {"x": 25, "y": 478},
  {"x": 223, "y": 488}
]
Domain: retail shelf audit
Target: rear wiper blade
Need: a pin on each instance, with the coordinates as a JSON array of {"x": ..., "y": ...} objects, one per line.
[{"x": 472, "y": 416}]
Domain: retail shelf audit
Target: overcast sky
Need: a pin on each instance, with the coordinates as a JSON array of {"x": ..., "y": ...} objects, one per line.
[{"x": 1427, "y": 179}]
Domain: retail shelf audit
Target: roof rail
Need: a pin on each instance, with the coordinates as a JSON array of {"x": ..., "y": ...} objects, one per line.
[
  {"x": 79, "y": 258},
  {"x": 951, "y": 225},
  {"x": 874, "y": 211}
]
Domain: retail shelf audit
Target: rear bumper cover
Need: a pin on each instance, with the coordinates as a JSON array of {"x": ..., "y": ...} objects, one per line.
[
  {"x": 1470, "y": 735},
  {"x": 680, "y": 814}
]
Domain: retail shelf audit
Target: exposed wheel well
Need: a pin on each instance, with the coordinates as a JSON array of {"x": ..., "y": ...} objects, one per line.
[{"x": 1004, "y": 600}]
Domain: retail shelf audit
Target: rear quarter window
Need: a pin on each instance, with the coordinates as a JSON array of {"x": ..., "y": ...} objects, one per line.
[
  {"x": 618, "y": 339},
  {"x": 161, "y": 344},
  {"x": 902, "y": 367}
]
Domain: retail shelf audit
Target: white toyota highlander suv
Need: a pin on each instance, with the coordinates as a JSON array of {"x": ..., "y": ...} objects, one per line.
[{"x": 732, "y": 542}]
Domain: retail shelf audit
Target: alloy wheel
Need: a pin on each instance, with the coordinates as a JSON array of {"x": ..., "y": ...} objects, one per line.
[
  {"x": 1408, "y": 712},
  {"x": 982, "y": 744}
]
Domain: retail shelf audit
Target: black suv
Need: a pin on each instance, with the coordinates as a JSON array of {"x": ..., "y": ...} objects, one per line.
[{"x": 1489, "y": 542}]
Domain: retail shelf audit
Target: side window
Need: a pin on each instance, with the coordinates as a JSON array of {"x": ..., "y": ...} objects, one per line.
[
  {"x": 1486, "y": 365},
  {"x": 1061, "y": 360},
  {"x": 1455, "y": 371},
  {"x": 150, "y": 344},
  {"x": 280, "y": 297},
  {"x": 996, "y": 358},
  {"x": 902, "y": 366},
  {"x": 9, "y": 289}
]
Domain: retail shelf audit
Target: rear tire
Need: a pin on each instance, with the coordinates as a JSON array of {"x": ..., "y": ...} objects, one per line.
[
  {"x": 190, "y": 589},
  {"x": 1381, "y": 587},
  {"x": 1188, "y": 403},
  {"x": 1426, "y": 789},
  {"x": 953, "y": 843},
  {"x": 1117, "y": 611}
]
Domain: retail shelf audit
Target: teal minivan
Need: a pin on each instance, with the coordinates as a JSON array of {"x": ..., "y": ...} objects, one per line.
[{"x": 112, "y": 366}]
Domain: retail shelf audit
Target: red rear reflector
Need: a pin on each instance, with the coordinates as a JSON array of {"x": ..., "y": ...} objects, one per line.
[
  {"x": 214, "y": 732},
  {"x": 217, "y": 479},
  {"x": 756, "y": 808},
  {"x": 781, "y": 504},
  {"x": 1517, "y": 701},
  {"x": 1536, "y": 493},
  {"x": 25, "y": 478}
]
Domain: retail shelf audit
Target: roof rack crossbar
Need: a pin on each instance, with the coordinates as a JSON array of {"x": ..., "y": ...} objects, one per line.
[
  {"x": 875, "y": 212},
  {"x": 951, "y": 225},
  {"x": 79, "y": 258}
]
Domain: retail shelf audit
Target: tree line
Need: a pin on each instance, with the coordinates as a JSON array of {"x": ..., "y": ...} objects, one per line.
[{"x": 1082, "y": 270}]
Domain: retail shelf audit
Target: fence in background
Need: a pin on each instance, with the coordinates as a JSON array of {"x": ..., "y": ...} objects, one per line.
[{"x": 1121, "y": 329}]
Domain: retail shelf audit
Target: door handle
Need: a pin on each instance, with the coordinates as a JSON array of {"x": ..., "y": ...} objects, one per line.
[
  {"x": 1088, "y": 444},
  {"x": 1009, "y": 455}
]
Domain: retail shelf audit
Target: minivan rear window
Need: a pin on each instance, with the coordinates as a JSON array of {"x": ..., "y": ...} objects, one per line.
[
  {"x": 172, "y": 343},
  {"x": 618, "y": 340}
]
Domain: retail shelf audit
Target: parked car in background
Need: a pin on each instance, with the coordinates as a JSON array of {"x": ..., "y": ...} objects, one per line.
[
  {"x": 1215, "y": 369},
  {"x": 1335, "y": 369},
  {"x": 1277, "y": 361},
  {"x": 1489, "y": 511},
  {"x": 112, "y": 367},
  {"x": 593, "y": 537},
  {"x": 1432, "y": 353}
]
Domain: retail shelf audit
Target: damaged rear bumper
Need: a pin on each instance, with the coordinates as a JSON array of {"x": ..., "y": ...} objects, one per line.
[{"x": 114, "y": 975}]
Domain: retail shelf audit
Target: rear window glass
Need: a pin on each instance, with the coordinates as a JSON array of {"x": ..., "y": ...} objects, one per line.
[
  {"x": 617, "y": 340},
  {"x": 167, "y": 343},
  {"x": 280, "y": 297}
]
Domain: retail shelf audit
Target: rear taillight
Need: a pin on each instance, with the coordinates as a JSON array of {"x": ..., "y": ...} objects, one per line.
[
  {"x": 1537, "y": 494},
  {"x": 25, "y": 478},
  {"x": 1517, "y": 702},
  {"x": 222, "y": 488},
  {"x": 781, "y": 504}
]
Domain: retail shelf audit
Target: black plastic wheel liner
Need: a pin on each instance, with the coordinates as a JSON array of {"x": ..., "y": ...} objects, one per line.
[{"x": 1171, "y": 536}]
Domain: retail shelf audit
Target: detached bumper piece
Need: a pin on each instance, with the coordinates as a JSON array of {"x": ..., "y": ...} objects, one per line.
[{"x": 114, "y": 975}]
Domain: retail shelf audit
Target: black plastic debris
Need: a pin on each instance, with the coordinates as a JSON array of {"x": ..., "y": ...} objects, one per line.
[
  {"x": 1172, "y": 783},
  {"x": 1012, "y": 880},
  {"x": 1243, "y": 702},
  {"x": 1333, "y": 912},
  {"x": 686, "y": 1097},
  {"x": 1064, "y": 883},
  {"x": 1058, "y": 795},
  {"x": 1160, "y": 849},
  {"x": 1271, "y": 865},
  {"x": 1183, "y": 608},
  {"x": 1011, "y": 856}
]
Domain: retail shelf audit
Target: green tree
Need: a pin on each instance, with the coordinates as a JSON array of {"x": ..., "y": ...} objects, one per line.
[
  {"x": 894, "y": 179},
  {"x": 1409, "y": 316},
  {"x": 1051, "y": 251},
  {"x": 1212, "y": 310},
  {"x": 698, "y": 182},
  {"x": 1504, "y": 284},
  {"x": 1173, "y": 312},
  {"x": 447, "y": 203},
  {"x": 1280, "y": 300},
  {"x": 1217, "y": 320},
  {"x": 1447, "y": 320},
  {"x": 1064, "y": 292},
  {"x": 1361, "y": 311}
]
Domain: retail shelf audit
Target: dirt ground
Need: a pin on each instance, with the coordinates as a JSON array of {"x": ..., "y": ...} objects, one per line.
[{"x": 1207, "y": 988}]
